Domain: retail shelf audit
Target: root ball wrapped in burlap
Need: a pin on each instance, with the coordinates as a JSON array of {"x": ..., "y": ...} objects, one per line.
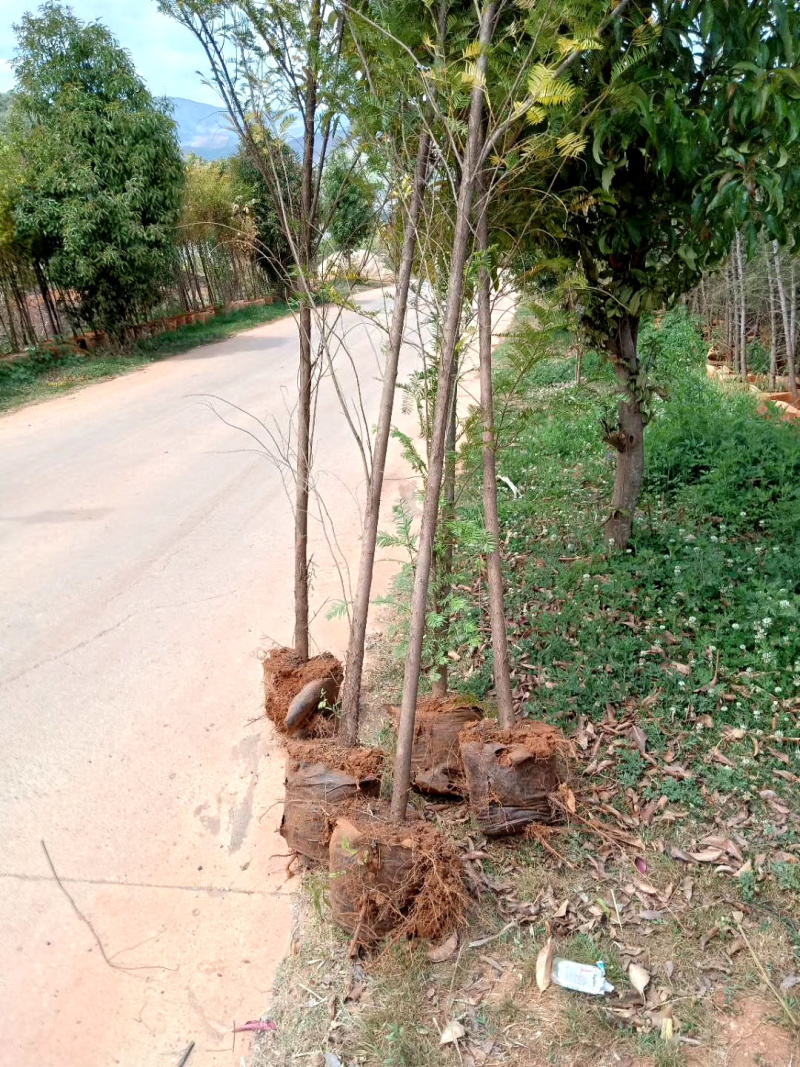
[
  {"x": 435, "y": 758},
  {"x": 403, "y": 879},
  {"x": 512, "y": 774},
  {"x": 321, "y": 778}
]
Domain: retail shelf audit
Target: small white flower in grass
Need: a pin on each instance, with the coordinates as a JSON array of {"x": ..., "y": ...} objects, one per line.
[
  {"x": 784, "y": 605},
  {"x": 742, "y": 514},
  {"x": 778, "y": 689},
  {"x": 681, "y": 684},
  {"x": 756, "y": 714},
  {"x": 586, "y": 577},
  {"x": 779, "y": 733},
  {"x": 735, "y": 626},
  {"x": 743, "y": 648},
  {"x": 692, "y": 620}
]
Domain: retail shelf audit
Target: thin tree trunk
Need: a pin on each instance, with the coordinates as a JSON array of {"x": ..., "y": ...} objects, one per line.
[
  {"x": 5, "y": 285},
  {"x": 742, "y": 323},
  {"x": 494, "y": 573},
  {"x": 455, "y": 292},
  {"x": 773, "y": 328},
  {"x": 730, "y": 312},
  {"x": 358, "y": 627},
  {"x": 786, "y": 319},
  {"x": 444, "y": 563},
  {"x": 629, "y": 438},
  {"x": 305, "y": 374},
  {"x": 40, "y": 278}
]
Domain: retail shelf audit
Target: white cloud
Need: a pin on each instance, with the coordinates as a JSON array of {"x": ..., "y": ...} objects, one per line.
[{"x": 166, "y": 54}]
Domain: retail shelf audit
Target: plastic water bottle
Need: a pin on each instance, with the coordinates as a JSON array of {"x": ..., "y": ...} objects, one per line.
[{"x": 582, "y": 977}]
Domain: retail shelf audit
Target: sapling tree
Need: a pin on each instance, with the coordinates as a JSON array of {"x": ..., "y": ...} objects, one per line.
[
  {"x": 374, "y": 44},
  {"x": 450, "y": 334},
  {"x": 277, "y": 64}
]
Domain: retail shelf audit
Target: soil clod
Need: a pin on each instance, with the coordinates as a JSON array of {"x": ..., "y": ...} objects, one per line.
[{"x": 287, "y": 677}]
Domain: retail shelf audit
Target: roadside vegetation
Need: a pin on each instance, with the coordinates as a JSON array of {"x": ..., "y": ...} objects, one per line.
[
  {"x": 674, "y": 669},
  {"x": 42, "y": 373}
]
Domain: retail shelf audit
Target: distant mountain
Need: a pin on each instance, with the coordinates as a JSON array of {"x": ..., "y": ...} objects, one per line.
[{"x": 203, "y": 129}]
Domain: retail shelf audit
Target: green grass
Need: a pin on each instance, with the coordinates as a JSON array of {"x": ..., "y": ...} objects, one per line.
[
  {"x": 711, "y": 581},
  {"x": 41, "y": 374}
]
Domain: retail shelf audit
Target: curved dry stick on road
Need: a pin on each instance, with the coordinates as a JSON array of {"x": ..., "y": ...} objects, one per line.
[{"x": 146, "y": 556}]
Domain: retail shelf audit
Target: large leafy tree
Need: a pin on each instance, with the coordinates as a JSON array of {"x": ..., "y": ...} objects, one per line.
[
  {"x": 101, "y": 191},
  {"x": 679, "y": 117},
  {"x": 273, "y": 248},
  {"x": 349, "y": 198}
]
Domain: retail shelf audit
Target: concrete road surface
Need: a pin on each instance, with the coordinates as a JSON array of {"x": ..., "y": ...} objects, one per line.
[{"x": 146, "y": 559}]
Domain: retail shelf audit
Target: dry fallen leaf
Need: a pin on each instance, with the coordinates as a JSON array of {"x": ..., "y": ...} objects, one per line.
[
  {"x": 639, "y": 978},
  {"x": 708, "y": 855},
  {"x": 445, "y": 951},
  {"x": 452, "y": 1033},
  {"x": 544, "y": 965}
]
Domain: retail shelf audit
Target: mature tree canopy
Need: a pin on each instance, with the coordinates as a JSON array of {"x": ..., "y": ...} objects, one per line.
[
  {"x": 257, "y": 196},
  {"x": 102, "y": 177},
  {"x": 349, "y": 203}
]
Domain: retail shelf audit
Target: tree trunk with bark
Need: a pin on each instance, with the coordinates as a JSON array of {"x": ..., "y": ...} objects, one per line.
[
  {"x": 628, "y": 438},
  {"x": 443, "y": 564},
  {"x": 494, "y": 574},
  {"x": 741, "y": 325},
  {"x": 786, "y": 318},
  {"x": 773, "y": 330},
  {"x": 303, "y": 471},
  {"x": 358, "y": 626},
  {"x": 452, "y": 325}
]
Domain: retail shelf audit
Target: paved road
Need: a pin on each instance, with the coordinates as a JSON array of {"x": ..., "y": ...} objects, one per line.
[{"x": 146, "y": 558}]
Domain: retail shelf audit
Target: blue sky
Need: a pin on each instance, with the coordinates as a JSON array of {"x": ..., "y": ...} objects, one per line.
[{"x": 166, "y": 55}]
